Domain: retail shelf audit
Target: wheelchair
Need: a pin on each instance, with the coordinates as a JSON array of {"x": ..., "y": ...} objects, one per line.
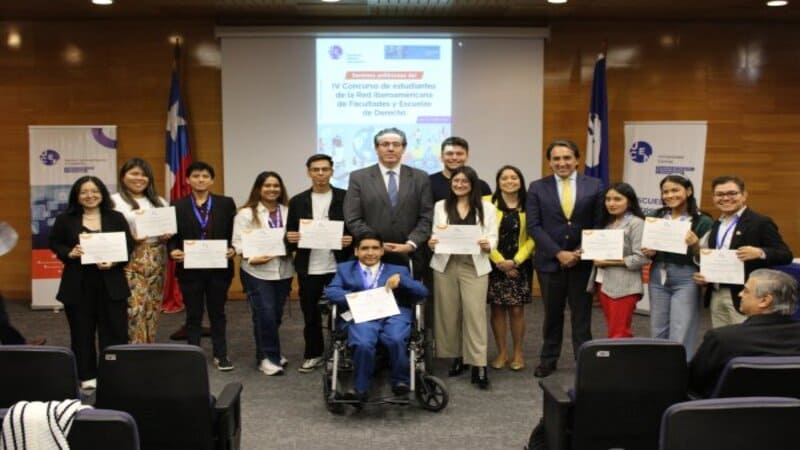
[{"x": 429, "y": 391}]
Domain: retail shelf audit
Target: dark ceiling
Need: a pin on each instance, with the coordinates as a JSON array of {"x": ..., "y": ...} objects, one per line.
[{"x": 406, "y": 12}]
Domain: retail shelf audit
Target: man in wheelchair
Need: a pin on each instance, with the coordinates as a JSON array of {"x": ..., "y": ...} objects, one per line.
[{"x": 368, "y": 272}]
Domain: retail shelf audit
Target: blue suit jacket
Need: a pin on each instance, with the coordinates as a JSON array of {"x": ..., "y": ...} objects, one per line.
[
  {"x": 348, "y": 280},
  {"x": 548, "y": 225}
]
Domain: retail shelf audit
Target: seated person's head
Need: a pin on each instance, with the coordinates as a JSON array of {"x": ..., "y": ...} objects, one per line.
[
  {"x": 769, "y": 291},
  {"x": 369, "y": 248}
]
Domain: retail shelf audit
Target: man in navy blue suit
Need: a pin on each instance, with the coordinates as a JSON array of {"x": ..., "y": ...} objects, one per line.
[
  {"x": 368, "y": 272},
  {"x": 559, "y": 208}
]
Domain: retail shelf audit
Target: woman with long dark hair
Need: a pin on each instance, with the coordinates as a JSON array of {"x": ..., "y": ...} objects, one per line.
[
  {"x": 94, "y": 295},
  {"x": 461, "y": 281},
  {"x": 145, "y": 271},
  {"x": 674, "y": 296},
  {"x": 510, "y": 279},
  {"x": 618, "y": 283},
  {"x": 266, "y": 279}
]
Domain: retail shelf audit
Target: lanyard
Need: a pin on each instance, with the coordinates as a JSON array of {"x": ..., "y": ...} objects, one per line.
[
  {"x": 203, "y": 220},
  {"x": 365, "y": 278},
  {"x": 727, "y": 230},
  {"x": 278, "y": 222}
]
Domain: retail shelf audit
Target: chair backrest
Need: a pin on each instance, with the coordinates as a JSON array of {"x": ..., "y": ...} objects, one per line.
[
  {"x": 100, "y": 429},
  {"x": 622, "y": 387},
  {"x": 36, "y": 373},
  {"x": 768, "y": 376},
  {"x": 165, "y": 388},
  {"x": 736, "y": 423}
]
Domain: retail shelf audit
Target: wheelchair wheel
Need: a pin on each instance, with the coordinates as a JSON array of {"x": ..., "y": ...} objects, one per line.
[
  {"x": 329, "y": 396},
  {"x": 432, "y": 393}
]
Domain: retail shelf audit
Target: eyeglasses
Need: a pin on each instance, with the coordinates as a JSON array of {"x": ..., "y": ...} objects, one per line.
[
  {"x": 730, "y": 194},
  {"x": 388, "y": 144}
]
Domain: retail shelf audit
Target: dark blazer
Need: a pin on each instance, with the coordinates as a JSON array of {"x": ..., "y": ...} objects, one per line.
[
  {"x": 223, "y": 210},
  {"x": 367, "y": 208},
  {"x": 300, "y": 208},
  {"x": 548, "y": 225},
  {"x": 760, "y": 335},
  {"x": 64, "y": 237},
  {"x": 348, "y": 279},
  {"x": 756, "y": 230}
]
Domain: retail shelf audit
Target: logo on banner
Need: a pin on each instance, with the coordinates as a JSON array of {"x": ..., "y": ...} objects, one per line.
[
  {"x": 640, "y": 151},
  {"x": 49, "y": 157},
  {"x": 335, "y": 52}
]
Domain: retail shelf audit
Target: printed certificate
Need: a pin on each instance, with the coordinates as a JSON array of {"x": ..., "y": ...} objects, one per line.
[
  {"x": 372, "y": 304},
  {"x": 155, "y": 222},
  {"x": 321, "y": 234},
  {"x": 721, "y": 266},
  {"x": 457, "y": 239},
  {"x": 103, "y": 247},
  {"x": 665, "y": 235},
  {"x": 602, "y": 244},
  {"x": 205, "y": 254}
]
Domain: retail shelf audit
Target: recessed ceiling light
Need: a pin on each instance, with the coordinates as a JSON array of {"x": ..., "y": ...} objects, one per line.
[
  {"x": 102, "y": 2},
  {"x": 557, "y": 2},
  {"x": 777, "y": 3},
  {"x": 330, "y": 1}
]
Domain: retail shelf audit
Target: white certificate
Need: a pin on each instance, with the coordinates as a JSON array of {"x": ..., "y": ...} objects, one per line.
[
  {"x": 321, "y": 234},
  {"x": 155, "y": 222},
  {"x": 372, "y": 304},
  {"x": 263, "y": 242},
  {"x": 103, "y": 247},
  {"x": 602, "y": 244},
  {"x": 457, "y": 239},
  {"x": 721, "y": 266},
  {"x": 205, "y": 254},
  {"x": 665, "y": 235}
]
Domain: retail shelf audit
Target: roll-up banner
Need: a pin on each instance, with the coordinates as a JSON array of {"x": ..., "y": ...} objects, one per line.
[{"x": 59, "y": 155}]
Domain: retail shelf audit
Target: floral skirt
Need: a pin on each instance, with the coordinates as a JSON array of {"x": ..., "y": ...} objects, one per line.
[
  {"x": 506, "y": 291},
  {"x": 145, "y": 273}
]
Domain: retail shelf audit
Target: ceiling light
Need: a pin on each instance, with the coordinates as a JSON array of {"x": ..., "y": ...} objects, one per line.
[
  {"x": 777, "y": 3},
  {"x": 14, "y": 39},
  {"x": 557, "y": 2},
  {"x": 102, "y": 2},
  {"x": 330, "y": 1}
]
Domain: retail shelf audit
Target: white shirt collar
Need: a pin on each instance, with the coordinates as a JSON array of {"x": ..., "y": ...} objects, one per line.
[{"x": 385, "y": 169}]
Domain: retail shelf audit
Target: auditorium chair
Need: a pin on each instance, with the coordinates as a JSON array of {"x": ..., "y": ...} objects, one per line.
[
  {"x": 622, "y": 387},
  {"x": 37, "y": 373},
  {"x": 766, "y": 376},
  {"x": 100, "y": 429},
  {"x": 736, "y": 423},
  {"x": 165, "y": 388}
]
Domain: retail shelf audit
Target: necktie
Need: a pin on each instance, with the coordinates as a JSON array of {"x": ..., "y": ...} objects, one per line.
[
  {"x": 392, "y": 188},
  {"x": 566, "y": 197}
]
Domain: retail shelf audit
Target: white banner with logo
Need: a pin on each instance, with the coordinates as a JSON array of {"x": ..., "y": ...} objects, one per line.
[
  {"x": 654, "y": 150},
  {"x": 59, "y": 155}
]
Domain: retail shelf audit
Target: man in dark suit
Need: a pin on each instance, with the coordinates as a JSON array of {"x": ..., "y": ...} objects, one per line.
[
  {"x": 200, "y": 216},
  {"x": 454, "y": 154},
  {"x": 315, "y": 267},
  {"x": 391, "y": 199},
  {"x": 768, "y": 299},
  {"x": 368, "y": 272},
  {"x": 559, "y": 208},
  {"x": 755, "y": 238}
]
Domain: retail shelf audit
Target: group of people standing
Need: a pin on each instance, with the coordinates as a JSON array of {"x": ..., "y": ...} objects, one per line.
[{"x": 401, "y": 208}]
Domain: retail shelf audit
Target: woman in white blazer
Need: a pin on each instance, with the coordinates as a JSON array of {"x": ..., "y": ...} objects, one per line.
[{"x": 460, "y": 281}]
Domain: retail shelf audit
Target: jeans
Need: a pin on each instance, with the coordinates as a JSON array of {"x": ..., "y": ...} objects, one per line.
[
  {"x": 266, "y": 299},
  {"x": 675, "y": 305}
]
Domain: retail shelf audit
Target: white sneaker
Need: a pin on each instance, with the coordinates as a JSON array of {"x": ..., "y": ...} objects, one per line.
[
  {"x": 89, "y": 384},
  {"x": 310, "y": 364},
  {"x": 269, "y": 368},
  {"x": 284, "y": 361}
]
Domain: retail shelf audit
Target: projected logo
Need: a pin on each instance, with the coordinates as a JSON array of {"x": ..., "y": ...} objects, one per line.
[
  {"x": 640, "y": 151},
  {"x": 335, "y": 52},
  {"x": 49, "y": 157}
]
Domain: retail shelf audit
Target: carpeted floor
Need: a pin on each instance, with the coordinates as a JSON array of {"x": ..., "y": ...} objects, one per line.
[{"x": 287, "y": 412}]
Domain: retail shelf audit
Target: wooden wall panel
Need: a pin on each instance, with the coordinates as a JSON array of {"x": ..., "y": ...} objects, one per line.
[{"x": 744, "y": 79}]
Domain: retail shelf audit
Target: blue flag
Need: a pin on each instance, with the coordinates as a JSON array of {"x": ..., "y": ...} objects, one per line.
[{"x": 597, "y": 140}]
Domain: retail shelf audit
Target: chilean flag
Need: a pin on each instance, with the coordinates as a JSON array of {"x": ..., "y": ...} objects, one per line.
[
  {"x": 178, "y": 159},
  {"x": 597, "y": 141}
]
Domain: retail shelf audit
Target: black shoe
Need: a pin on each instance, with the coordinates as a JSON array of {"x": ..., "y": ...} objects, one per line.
[
  {"x": 480, "y": 377},
  {"x": 179, "y": 335},
  {"x": 355, "y": 399},
  {"x": 543, "y": 370},
  {"x": 457, "y": 368},
  {"x": 400, "y": 389}
]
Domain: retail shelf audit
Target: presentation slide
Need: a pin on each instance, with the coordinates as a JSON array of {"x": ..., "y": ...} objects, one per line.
[{"x": 365, "y": 85}]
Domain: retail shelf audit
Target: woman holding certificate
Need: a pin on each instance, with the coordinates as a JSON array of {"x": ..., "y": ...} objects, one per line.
[
  {"x": 266, "y": 270},
  {"x": 674, "y": 296},
  {"x": 94, "y": 294},
  {"x": 464, "y": 234},
  {"x": 510, "y": 279},
  {"x": 618, "y": 282},
  {"x": 145, "y": 271}
]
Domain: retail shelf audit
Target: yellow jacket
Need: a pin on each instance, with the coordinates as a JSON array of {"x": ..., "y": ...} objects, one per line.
[{"x": 526, "y": 244}]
